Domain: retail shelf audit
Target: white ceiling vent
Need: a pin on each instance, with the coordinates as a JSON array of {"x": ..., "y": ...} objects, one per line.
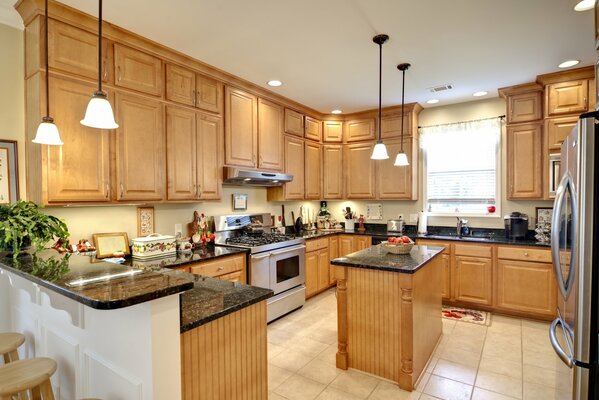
[{"x": 440, "y": 88}]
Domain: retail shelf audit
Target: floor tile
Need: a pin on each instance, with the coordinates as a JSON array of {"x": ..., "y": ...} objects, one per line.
[
  {"x": 432, "y": 363},
  {"x": 483, "y": 394},
  {"x": 468, "y": 343},
  {"x": 307, "y": 346},
  {"x": 510, "y": 353},
  {"x": 533, "y": 391},
  {"x": 547, "y": 360},
  {"x": 356, "y": 383},
  {"x": 274, "y": 350},
  {"x": 274, "y": 396},
  {"x": 459, "y": 356},
  {"x": 280, "y": 337},
  {"x": 529, "y": 323},
  {"x": 447, "y": 389},
  {"x": 291, "y": 360},
  {"x": 331, "y": 393},
  {"x": 425, "y": 396},
  {"x": 329, "y": 355},
  {"x": 457, "y": 372},
  {"x": 387, "y": 390},
  {"x": 276, "y": 376},
  {"x": 320, "y": 371},
  {"x": 448, "y": 326},
  {"x": 500, "y": 365},
  {"x": 547, "y": 377},
  {"x": 499, "y": 383},
  {"x": 422, "y": 381},
  {"x": 299, "y": 388},
  {"x": 469, "y": 329}
]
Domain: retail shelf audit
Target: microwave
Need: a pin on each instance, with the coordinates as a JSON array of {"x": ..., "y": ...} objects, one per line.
[{"x": 554, "y": 175}]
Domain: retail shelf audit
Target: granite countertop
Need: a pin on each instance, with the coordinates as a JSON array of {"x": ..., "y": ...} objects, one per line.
[
  {"x": 198, "y": 255},
  {"x": 117, "y": 286},
  {"x": 376, "y": 257}
]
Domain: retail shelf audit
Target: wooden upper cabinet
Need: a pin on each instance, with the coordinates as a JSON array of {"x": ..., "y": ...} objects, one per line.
[
  {"x": 313, "y": 129},
  {"x": 181, "y": 154},
  {"x": 391, "y": 125},
  {"x": 524, "y": 107},
  {"x": 75, "y": 51},
  {"x": 79, "y": 170},
  {"x": 209, "y": 167},
  {"x": 332, "y": 131},
  {"x": 294, "y": 123},
  {"x": 180, "y": 85},
  {"x": 397, "y": 183},
  {"x": 270, "y": 135},
  {"x": 524, "y": 161},
  {"x": 241, "y": 128},
  {"x": 557, "y": 130},
  {"x": 313, "y": 166},
  {"x": 137, "y": 70},
  {"x": 209, "y": 94},
  {"x": 567, "y": 97},
  {"x": 140, "y": 151},
  {"x": 332, "y": 171},
  {"x": 359, "y": 171},
  {"x": 360, "y": 129},
  {"x": 473, "y": 280},
  {"x": 294, "y": 165}
]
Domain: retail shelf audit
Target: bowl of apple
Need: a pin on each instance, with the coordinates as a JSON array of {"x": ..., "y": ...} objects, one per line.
[{"x": 398, "y": 245}]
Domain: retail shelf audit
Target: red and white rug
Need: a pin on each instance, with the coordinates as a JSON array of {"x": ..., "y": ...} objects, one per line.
[{"x": 466, "y": 315}]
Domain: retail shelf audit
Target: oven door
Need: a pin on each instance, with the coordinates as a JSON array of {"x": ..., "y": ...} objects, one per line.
[{"x": 287, "y": 268}]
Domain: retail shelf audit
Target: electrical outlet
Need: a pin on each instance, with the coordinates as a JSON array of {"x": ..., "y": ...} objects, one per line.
[
  {"x": 400, "y": 216},
  {"x": 413, "y": 217},
  {"x": 178, "y": 230}
]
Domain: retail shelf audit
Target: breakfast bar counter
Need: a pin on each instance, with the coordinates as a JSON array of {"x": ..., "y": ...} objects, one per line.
[{"x": 384, "y": 301}]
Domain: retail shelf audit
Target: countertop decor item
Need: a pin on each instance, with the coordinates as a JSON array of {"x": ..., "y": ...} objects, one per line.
[
  {"x": 401, "y": 160},
  {"x": 240, "y": 201},
  {"x": 544, "y": 215},
  {"x": 9, "y": 174},
  {"x": 379, "y": 152},
  {"x": 145, "y": 221},
  {"x": 108, "y": 244},
  {"x": 23, "y": 224},
  {"x": 154, "y": 245},
  {"x": 398, "y": 247},
  {"x": 199, "y": 230}
]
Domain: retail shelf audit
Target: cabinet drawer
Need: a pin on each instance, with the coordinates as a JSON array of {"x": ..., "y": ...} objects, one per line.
[
  {"x": 218, "y": 267},
  {"x": 236, "y": 276},
  {"x": 524, "y": 254},
  {"x": 473, "y": 250},
  {"x": 184, "y": 268},
  {"x": 446, "y": 246},
  {"x": 317, "y": 244}
]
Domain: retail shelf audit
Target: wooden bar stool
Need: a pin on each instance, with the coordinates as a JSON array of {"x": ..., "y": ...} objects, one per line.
[
  {"x": 31, "y": 375},
  {"x": 9, "y": 343}
]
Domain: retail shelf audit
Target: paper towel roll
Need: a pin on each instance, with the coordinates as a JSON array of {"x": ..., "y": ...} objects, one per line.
[{"x": 422, "y": 222}]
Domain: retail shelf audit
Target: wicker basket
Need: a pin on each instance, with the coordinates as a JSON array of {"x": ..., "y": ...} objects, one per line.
[{"x": 396, "y": 248}]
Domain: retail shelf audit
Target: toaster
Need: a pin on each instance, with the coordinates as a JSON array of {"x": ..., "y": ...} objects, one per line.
[{"x": 395, "y": 225}]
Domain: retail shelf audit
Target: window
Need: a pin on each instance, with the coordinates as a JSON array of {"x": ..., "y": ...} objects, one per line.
[{"x": 462, "y": 167}]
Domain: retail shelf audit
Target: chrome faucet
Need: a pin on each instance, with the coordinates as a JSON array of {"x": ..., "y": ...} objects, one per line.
[{"x": 460, "y": 226}]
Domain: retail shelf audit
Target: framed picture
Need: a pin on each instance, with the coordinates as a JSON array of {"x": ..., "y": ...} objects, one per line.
[
  {"x": 374, "y": 211},
  {"x": 145, "y": 221},
  {"x": 109, "y": 243},
  {"x": 240, "y": 201},
  {"x": 9, "y": 176},
  {"x": 544, "y": 215}
]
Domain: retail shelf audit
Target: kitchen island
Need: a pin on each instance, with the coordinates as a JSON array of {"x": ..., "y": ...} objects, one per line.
[{"x": 389, "y": 312}]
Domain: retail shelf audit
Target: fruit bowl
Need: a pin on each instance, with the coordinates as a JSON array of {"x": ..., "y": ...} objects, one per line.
[{"x": 398, "y": 247}]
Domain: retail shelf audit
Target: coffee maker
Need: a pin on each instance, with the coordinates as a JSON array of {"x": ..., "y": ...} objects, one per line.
[{"x": 516, "y": 225}]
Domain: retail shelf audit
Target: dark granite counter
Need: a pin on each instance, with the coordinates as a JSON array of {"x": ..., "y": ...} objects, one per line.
[{"x": 376, "y": 257}]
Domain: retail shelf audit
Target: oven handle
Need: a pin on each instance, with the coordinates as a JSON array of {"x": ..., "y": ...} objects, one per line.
[
  {"x": 287, "y": 250},
  {"x": 260, "y": 256}
]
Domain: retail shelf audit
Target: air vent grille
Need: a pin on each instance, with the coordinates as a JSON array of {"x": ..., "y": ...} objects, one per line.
[{"x": 440, "y": 88}]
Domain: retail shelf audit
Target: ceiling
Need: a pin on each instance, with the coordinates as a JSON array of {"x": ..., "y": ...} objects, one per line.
[{"x": 324, "y": 54}]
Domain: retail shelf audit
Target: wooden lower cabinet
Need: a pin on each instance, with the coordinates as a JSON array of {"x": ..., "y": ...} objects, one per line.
[
  {"x": 446, "y": 282},
  {"x": 362, "y": 242},
  {"x": 474, "y": 280},
  {"x": 230, "y": 268},
  {"x": 317, "y": 271},
  {"x": 333, "y": 253},
  {"x": 346, "y": 244}
]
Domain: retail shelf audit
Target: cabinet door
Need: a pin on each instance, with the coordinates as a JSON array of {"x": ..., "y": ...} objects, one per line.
[
  {"x": 236, "y": 276},
  {"x": 333, "y": 253},
  {"x": 567, "y": 97},
  {"x": 181, "y": 154},
  {"x": 312, "y": 260},
  {"x": 241, "y": 128},
  {"x": 346, "y": 245},
  {"x": 312, "y": 171},
  {"x": 557, "y": 130},
  {"x": 294, "y": 123},
  {"x": 313, "y": 129},
  {"x": 527, "y": 287},
  {"x": 332, "y": 171},
  {"x": 209, "y": 156},
  {"x": 391, "y": 126},
  {"x": 524, "y": 107},
  {"x": 180, "y": 85},
  {"x": 362, "y": 242},
  {"x": 359, "y": 129},
  {"x": 139, "y": 148},
  {"x": 446, "y": 288},
  {"x": 332, "y": 131},
  {"x": 209, "y": 94},
  {"x": 324, "y": 271},
  {"x": 396, "y": 182},
  {"x": 270, "y": 135},
  {"x": 79, "y": 170},
  {"x": 137, "y": 70},
  {"x": 524, "y": 161},
  {"x": 294, "y": 165},
  {"x": 360, "y": 171},
  {"x": 473, "y": 280}
]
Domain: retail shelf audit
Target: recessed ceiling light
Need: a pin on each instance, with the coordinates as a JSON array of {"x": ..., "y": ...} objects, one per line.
[
  {"x": 432, "y": 101},
  {"x": 568, "y": 64},
  {"x": 336, "y": 112},
  {"x": 479, "y": 94},
  {"x": 584, "y": 5},
  {"x": 274, "y": 83}
]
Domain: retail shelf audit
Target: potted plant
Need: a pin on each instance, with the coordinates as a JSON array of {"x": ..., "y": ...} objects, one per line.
[{"x": 22, "y": 224}]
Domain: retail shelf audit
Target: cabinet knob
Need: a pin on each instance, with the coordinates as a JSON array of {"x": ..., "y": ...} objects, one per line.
[
  {"x": 526, "y": 254},
  {"x": 221, "y": 268}
]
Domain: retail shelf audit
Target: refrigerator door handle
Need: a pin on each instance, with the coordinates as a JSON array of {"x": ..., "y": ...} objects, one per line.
[{"x": 567, "y": 359}]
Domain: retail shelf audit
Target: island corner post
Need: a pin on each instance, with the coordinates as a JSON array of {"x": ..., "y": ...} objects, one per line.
[{"x": 380, "y": 312}]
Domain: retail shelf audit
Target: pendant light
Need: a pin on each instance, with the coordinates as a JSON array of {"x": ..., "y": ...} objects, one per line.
[
  {"x": 47, "y": 132},
  {"x": 99, "y": 112},
  {"x": 401, "y": 160},
  {"x": 380, "y": 150}
]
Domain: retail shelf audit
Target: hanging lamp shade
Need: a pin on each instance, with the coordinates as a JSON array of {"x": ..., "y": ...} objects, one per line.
[
  {"x": 401, "y": 160},
  {"x": 99, "y": 113},
  {"x": 380, "y": 150},
  {"x": 47, "y": 133}
]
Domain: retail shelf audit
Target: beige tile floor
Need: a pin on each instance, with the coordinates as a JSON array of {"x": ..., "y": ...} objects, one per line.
[{"x": 511, "y": 359}]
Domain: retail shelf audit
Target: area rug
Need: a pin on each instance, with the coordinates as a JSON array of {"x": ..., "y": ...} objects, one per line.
[{"x": 466, "y": 315}]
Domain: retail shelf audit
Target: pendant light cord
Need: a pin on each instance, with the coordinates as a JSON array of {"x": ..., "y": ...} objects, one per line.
[
  {"x": 403, "y": 88},
  {"x": 47, "y": 74},
  {"x": 380, "y": 86},
  {"x": 100, "y": 46}
]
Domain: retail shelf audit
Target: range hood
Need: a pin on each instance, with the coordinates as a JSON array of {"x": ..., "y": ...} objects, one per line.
[{"x": 245, "y": 177}]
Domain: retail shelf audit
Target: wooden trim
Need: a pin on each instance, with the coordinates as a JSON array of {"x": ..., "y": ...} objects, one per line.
[
  {"x": 569, "y": 75},
  {"x": 518, "y": 89},
  {"x": 342, "y": 357}
]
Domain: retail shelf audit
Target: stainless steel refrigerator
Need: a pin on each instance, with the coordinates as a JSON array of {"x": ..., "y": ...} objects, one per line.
[{"x": 575, "y": 250}]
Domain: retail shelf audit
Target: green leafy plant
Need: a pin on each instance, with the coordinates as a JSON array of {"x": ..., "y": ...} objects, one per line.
[{"x": 23, "y": 223}]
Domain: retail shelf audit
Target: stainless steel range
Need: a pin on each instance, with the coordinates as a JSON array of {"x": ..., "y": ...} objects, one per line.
[{"x": 277, "y": 261}]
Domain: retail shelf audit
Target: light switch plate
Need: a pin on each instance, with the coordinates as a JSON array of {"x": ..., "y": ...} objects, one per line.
[{"x": 178, "y": 230}]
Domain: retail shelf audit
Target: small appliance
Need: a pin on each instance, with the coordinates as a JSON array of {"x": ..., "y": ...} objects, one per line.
[
  {"x": 516, "y": 225},
  {"x": 395, "y": 225}
]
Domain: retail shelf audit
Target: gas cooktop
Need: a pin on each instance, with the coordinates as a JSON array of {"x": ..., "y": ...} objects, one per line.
[{"x": 259, "y": 240}]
